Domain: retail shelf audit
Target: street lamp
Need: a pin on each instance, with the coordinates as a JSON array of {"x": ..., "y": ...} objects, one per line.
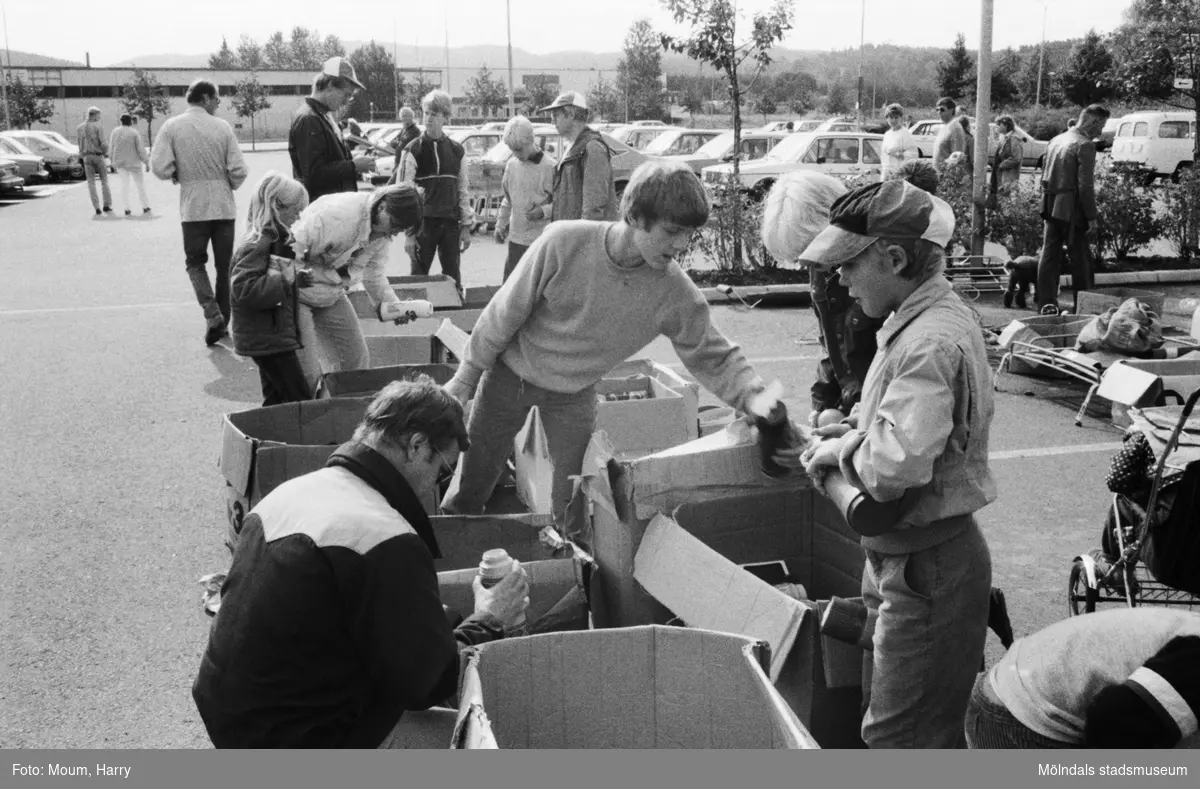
[
  {"x": 372, "y": 112},
  {"x": 1042, "y": 57},
  {"x": 862, "y": 38}
]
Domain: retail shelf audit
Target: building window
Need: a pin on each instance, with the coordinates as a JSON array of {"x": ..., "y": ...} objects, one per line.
[
  {"x": 226, "y": 90},
  {"x": 72, "y": 92},
  {"x": 51, "y": 92},
  {"x": 177, "y": 90}
]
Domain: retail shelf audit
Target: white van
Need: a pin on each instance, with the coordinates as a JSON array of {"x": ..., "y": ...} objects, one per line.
[{"x": 1159, "y": 141}]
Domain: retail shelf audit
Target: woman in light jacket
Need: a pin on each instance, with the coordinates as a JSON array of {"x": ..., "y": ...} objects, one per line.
[
  {"x": 1006, "y": 168},
  {"x": 898, "y": 144},
  {"x": 345, "y": 238}
]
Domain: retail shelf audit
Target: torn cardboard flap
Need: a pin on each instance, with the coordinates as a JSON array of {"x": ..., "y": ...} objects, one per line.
[
  {"x": 706, "y": 590},
  {"x": 534, "y": 468},
  {"x": 663, "y": 687},
  {"x": 453, "y": 338}
]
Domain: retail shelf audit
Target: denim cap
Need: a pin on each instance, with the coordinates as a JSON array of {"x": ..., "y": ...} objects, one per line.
[{"x": 891, "y": 209}]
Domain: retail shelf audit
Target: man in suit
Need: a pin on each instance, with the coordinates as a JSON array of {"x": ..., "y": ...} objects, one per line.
[
  {"x": 1069, "y": 207},
  {"x": 320, "y": 159}
]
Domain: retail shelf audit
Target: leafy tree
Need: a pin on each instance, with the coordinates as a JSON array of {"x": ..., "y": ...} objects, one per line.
[
  {"x": 1029, "y": 78},
  {"x": 1006, "y": 71},
  {"x": 836, "y": 101},
  {"x": 375, "y": 68},
  {"x": 540, "y": 92},
  {"x": 331, "y": 47},
  {"x": 1087, "y": 75},
  {"x": 490, "y": 95},
  {"x": 795, "y": 89},
  {"x": 639, "y": 72},
  {"x": 145, "y": 97},
  {"x": 25, "y": 105},
  {"x": 714, "y": 40},
  {"x": 250, "y": 98},
  {"x": 305, "y": 47},
  {"x": 1155, "y": 46},
  {"x": 765, "y": 105},
  {"x": 249, "y": 54},
  {"x": 277, "y": 52},
  {"x": 224, "y": 58},
  {"x": 692, "y": 101},
  {"x": 602, "y": 99},
  {"x": 421, "y": 86},
  {"x": 955, "y": 71}
]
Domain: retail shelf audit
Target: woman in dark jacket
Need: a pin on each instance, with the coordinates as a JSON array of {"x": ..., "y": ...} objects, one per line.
[{"x": 264, "y": 282}]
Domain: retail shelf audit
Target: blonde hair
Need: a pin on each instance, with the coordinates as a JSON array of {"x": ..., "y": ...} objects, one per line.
[
  {"x": 273, "y": 192},
  {"x": 518, "y": 132},
  {"x": 796, "y": 210}
]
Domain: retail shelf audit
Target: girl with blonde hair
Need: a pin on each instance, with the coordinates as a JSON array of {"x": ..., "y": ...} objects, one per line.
[{"x": 264, "y": 287}]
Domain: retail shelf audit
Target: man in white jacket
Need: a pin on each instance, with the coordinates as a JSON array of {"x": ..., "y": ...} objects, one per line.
[{"x": 527, "y": 189}]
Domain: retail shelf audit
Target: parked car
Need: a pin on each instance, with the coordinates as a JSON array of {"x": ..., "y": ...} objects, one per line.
[
  {"x": 1032, "y": 155},
  {"x": 754, "y": 145},
  {"x": 636, "y": 137},
  {"x": 492, "y": 126},
  {"x": 1159, "y": 141},
  {"x": 778, "y": 126},
  {"x": 1107, "y": 134},
  {"x": 676, "y": 142},
  {"x": 835, "y": 153},
  {"x": 62, "y": 161},
  {"x": 10, "y": 177},
  {"x": 658, "y": 124},
  {"x": 484, "y": 172},
  {"x": 475, "y": 143},
  {"x": 31, "y": 166}
]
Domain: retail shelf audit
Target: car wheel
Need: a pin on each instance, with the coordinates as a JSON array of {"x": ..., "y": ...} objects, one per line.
[
  {"x": 76, "y": 172},
  {"x": 1149, "y": 178},
  {"x": 1178, "y": 170}
]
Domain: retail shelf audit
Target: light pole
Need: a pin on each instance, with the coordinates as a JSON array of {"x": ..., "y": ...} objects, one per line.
[
  {"x": 1042, "y": 56},
  {"x": 862, "y": 38},
  {"x": 372, "y": 111},
  {"x": 4, "y": 72},
  {"x": 508, "y": 23}
]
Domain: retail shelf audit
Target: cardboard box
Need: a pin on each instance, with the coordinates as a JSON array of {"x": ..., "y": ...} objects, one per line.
[
  {"x": 387, "y": 350},
  {"x": 1095, "y": 302},
  {"x": 529, "y": 538},
  {"x": 368, "y": 383},
  {"x": 639, "y": 687},
  {"x": 478, "y": 296},
  {"x": 263, "y": 447},
  {"x": 639, "y": 427},
  {"x": 1146, "y": 382},
  {"x": 557, "y": 594},
  {"x": 533, "y": 468},
  {"x": 715, "y": 491},
  {"x": 1053, "y": 332},
  {"x": 429, "y": 729},
  {"x": 688, "y": 390},
  {"x": 437, "y": 289}
]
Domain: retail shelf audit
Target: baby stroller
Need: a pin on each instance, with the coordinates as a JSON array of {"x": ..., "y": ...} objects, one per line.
[{"x": 1150, "y": 547}]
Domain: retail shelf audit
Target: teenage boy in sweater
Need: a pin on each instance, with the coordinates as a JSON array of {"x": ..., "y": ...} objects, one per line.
[{"x": 584, "y": 298}]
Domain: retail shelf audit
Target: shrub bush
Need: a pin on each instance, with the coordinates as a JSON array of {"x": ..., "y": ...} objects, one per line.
[
  {"x": 1044, "y": 123},
  {"x": 1127, "y": 220},
  {"x": 715, "y": 241},
  {"x": 1016, "y": 221},
  {"x": 954, "y": 186},
  {"x": 1180, "y": 217}
]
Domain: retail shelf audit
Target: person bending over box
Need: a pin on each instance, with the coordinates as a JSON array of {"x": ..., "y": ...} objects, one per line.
[{"x": 584, "y": 298}]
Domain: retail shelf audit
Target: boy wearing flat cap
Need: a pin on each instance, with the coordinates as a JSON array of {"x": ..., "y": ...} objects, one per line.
[{"x": 920, "y": 442}]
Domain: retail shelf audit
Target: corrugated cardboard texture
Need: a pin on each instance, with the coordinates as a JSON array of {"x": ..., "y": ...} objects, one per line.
[
  {"x": 387, "y": 350},
  {"x": 708, "y": 591},
  {"x": 643, "y": 426},
  {"x": 463, "y": 538},
  {"x": 557, "y": 594},
  {"x": 453, "y": 341},
  {"x": 368, "y": 383},
  {"x": 463, "y": 319},
  {"x": 429, "y": 729},
  {"x": 438, "y": 289},
  {"x": 660, "y": 687},
  {"x": 478, "y": 296},
  {"x": 714, "y": 489}
]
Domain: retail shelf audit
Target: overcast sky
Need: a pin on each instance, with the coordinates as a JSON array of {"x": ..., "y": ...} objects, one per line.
[{"x": 120, "y": 29}]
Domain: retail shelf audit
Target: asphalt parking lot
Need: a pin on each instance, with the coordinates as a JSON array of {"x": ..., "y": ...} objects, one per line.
[{"x": 113, "y": 508}]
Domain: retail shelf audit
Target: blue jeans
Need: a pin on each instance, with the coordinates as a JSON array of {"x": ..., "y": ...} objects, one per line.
[
  {"x": 94, "y": 168},
  {"x": 929, "y": 640},
  {"x": 501, "y": 407},
  {"x": 196, "y": 238},
  {"x": 332, "y": 339},
  {"x": 439, "y": 237}
]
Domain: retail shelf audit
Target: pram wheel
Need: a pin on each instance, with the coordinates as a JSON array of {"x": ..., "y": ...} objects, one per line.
[{"x": 1081, "y": 596}]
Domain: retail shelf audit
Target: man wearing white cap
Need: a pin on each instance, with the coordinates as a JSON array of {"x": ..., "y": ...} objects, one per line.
[
  {"x": 320, "y": 159},
  {"x": 583, "y": 180},
  {"x": 920, "y": 442}
]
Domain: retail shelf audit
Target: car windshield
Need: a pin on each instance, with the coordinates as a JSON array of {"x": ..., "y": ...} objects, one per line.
[
  {"x": 662, "y": 142},
  {"x": 790, "y": 148},
  {"x": 717, "y": 147},
  {"x": 11, "y": 146},
  {"x": 805, "y": 126}
]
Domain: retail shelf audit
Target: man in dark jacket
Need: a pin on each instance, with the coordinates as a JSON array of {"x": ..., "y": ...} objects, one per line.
[
  {"x": 320, "y": 159},
  {"x": 330, "y": 624},
  {"x": 1069, "y": 207},
  {"x": 583, "y": 180},
  {"x": 434, "y": 162},
  {"x": 411, "y": 132}
]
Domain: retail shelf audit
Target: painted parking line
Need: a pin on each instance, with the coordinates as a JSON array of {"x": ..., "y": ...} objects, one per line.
[{"x": 1041, "y": 452}]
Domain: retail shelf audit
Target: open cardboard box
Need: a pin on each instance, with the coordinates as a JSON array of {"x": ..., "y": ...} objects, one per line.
[
  {"x": 714, "y": 490},
  {"x": 1052, "y": 332},
  {"x": 476, "y": 297},
  {"x": 638, "y": 427},
  {"x": 527, "y": 537},
  {"x": 639, "y": 687},
  {"x": 389, "y": 350},
  {"x": 438, "y": 289},
  {"x": 463, "y": 319},
  {"x": 688, "y": 390},
  {"x": 1145, "y": 382},
  {"x": 557, "y": 594},
  {"x": 368, "y": 383}
]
